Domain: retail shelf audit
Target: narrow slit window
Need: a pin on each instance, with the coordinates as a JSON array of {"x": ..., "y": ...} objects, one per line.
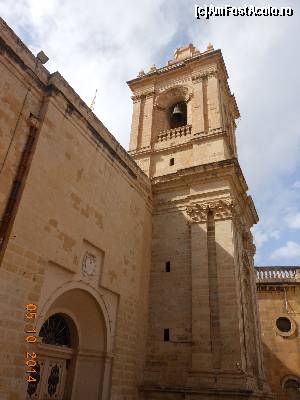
[
  {"x": 168, "y": 266},
  {"x": 166, "y": 335},
  {"x": 172, "y": 161}
]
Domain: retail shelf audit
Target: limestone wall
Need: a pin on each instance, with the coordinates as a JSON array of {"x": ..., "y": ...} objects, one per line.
[
  {"x": 281, "y": 352},
  {"x": 83, "y": 195}
]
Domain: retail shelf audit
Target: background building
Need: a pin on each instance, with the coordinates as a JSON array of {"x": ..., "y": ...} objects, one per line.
[{"x": 279, "y": 307}]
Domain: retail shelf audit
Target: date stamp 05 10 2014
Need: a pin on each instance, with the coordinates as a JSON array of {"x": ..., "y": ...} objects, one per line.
[{"x": 31, "y": 362}]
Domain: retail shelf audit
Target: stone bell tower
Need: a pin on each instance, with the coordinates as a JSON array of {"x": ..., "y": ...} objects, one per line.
[{"x": 203, "y": 335}]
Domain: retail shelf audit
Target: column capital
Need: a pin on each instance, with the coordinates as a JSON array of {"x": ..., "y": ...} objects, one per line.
[
  {"x": 206, "y": 73},
  {"x": 144, "y": 95},
  {"x": 221, "y": 208}
]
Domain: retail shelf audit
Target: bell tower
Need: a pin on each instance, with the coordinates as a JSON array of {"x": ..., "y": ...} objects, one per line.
[
  {"x": 203, "y": 334},
  {"x": 183, "y": 111}
]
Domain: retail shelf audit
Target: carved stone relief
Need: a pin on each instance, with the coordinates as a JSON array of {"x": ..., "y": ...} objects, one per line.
[
  {"x": 222, "y": 209},
  {"x": 92, "y": 263},
  {"x": 89, "y": 265},
  {"x": 206, "y": 73}
]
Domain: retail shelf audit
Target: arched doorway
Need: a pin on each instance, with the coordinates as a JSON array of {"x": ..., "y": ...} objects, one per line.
[
  {"x": 72, "y": 349},
  {"x": 56, "y": 359}
]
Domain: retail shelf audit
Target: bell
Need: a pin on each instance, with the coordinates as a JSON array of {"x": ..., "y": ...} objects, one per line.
[{"x": 177, "y": 112}]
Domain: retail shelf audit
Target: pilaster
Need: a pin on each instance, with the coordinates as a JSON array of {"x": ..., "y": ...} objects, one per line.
[
  {"x": 201, "y": 343},
  {"x": 213, "y": 101},
  {"x": 136, "y": 121},
  {"x": 198, "y": 123},
  {"x": 218, "y": 353},
  {"x": 147, "y": 120}
]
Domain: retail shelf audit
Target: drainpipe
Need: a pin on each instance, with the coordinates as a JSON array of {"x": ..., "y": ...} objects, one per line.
[
  {"x": 18, "y": 184},
  {"x": 14, "y": 198},
  {"x": 286, "y": 305}
]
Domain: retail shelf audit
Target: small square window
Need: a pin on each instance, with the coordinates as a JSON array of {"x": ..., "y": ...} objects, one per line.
[
  {"x": 168, "y": 266},
  {"x": 172, "y": 161},
  {"x": 166, "y": 335}
]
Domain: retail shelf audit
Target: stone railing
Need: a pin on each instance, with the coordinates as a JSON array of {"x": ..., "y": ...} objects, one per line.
[
  {"x": 277, "y": 274},
  {"x": 174, "y": 133}
]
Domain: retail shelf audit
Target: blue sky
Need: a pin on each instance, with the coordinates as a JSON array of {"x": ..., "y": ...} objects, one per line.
[{"x": 96, "y": 44}]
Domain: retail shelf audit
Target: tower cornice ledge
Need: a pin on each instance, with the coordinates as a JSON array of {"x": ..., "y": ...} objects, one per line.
[
  {"x": 229, "y": 170},
  {"x": 180, "y": 64},
  {"x": 198, "y": 172}
]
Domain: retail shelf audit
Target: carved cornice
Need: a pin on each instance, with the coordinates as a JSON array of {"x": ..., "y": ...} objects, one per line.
[
  {"x": 138, "y": 97},
  {"x": 174, "y": 82},
  {"x": 222, "y": 209},
  {"x": 207, "y": 73}
]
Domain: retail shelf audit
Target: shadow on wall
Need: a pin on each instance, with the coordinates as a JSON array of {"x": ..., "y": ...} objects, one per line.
[
  {"x": 276, "y": 371},
  {"x": 204, "y": 337}
]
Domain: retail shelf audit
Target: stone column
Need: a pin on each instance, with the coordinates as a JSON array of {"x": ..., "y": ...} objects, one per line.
[
  {"x": 213, "y": 292},
  {"x": 142, "y": 121},
  {"x": 146, "y": 120},
  {"x": 136, "y": 121},
  {"x": 213, "y": 295},
  {"x": 201, "y": 343}
]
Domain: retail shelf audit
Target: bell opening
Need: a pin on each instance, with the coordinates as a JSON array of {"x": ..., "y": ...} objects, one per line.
[{"x": 178, "y": 115}]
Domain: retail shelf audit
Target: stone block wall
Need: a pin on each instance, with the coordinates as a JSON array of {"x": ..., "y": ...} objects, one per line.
[
  {"x": 281, "y": 352},
  {"x": 82, "y": 193}
]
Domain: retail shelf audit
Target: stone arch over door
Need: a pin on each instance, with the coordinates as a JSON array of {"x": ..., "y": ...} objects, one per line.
[{"x": 89, "y": 358}]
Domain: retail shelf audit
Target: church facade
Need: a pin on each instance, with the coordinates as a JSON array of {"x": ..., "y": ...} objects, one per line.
[{"x": 129, "y": 275}]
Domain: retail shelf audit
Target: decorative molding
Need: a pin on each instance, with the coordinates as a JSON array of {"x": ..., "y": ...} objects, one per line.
[
  {"x": 248, "y": 245},
  {"x": 210, "y": 133},
  {"x": 292, "y": 322},
  {"x": 174, "y": 82},
  {"x": 170, "y": 96},
  {"x": 149, "y": 95},
  {"x": 207, "y": 73},
  {"x": 246, "y": 264},
  {"x": 142, "y": 150},
  {"x": 222, "y": 209},
  {"x": 144, "y": 95}
]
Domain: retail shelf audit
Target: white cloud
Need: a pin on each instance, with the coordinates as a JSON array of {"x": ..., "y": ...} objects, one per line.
[
  {"x": 261, "y": 237},
  {"x": 275, "y": 235},
  {"x": 291, "y": 251},
  {"x": 293, "y": 221},
  {"x": 296, "y": 185}
]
